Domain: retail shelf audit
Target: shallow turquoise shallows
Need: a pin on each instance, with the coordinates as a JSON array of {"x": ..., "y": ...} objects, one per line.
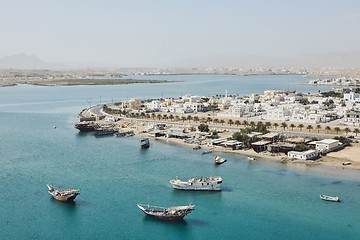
[{"x": 260, "y": 199}]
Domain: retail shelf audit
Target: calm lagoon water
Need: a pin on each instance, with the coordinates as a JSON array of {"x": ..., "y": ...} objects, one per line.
[{"x": 260, "y": 200}]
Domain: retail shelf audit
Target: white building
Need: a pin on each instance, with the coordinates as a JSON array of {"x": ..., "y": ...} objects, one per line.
[
  {"x": 327, "y": 145},
  {"x": 309, "y": 154},
  {"x": 352, "y": 97}
]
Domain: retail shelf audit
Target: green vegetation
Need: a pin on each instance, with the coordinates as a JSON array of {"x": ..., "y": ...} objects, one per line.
[{"x": 203, "y": 127}]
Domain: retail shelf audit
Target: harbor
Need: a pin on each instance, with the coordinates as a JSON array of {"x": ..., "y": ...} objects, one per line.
[{"x": 114, "y": 174}]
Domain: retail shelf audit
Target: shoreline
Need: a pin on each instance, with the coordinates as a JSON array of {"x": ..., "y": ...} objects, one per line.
[{"x": 323, "y": 165}]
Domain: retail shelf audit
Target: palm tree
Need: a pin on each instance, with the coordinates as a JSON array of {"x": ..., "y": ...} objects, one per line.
[
  {"x": 301, "y": 126},
  {"x": 209, "y": 119},
  {"x": 356, "y": 131},
  {"x": 337, "y": 130},
  {"x": 230, "y": 122},
  {"x": 177, "y": 118},
  {"x": 237, "y": 123},
  {"x": 245, "y": 123},
  {"x": 183, "y": 118},
  {"x": 327, "y": 129},
  {"x": 252, "y": 124},
  {"x": 222, "y": 121},
  {"x": 318, "y": 127},
  {"x": 284, "y": 125},
  {"x": 189, "y": 118},
  {"x": 153, "y": 115},
  {"x": 216, "y": 120},
  {"x": 309, "y": 127},
  {"x": 196, "y": 119},
  {"x": 292, "y": 126},
  {"x": 347, "y": 130},
  {"x": 159, "y": 116},
  {"x": 275, "y": 125},
  {"x": 267, "y": 124},
  {"x": 171, "y": 117}
]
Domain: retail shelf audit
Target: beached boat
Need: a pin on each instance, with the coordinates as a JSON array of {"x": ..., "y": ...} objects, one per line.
[
  {"x": 145, "y": 143},
  {"x": 329, "y": 198},
  {"x": 62, "y": 195},
  {"x": 198, "y": 184},
  {"x": 175, "y": 213},
  {"x": 346, "y": 163},
  {"x": 251, "y": 158},
  {"x": 197, "y": 147},
  {"x": 219, "y": 160},
  {"x": 206, "y": 152}
]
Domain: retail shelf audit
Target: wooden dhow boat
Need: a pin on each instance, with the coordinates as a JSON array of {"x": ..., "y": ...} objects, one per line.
[
  {"x": 175, "y": 213},
  {"x": 329, "y": 198},
  {"x": 198, "y": 184},
  {"x": 62, "y": 195}
]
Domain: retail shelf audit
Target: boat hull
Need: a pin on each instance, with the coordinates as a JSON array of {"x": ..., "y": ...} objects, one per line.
[
  {"x": 197, "y": 185},
  {"x": 166, "y": 214}
]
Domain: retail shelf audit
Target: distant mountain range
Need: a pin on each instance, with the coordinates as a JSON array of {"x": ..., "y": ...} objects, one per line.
[
  {"x": 328, "y": 60},
  {"x": 23, "y": 61}
]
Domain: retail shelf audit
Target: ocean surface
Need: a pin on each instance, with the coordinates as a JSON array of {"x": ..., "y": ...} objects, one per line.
[{"x": 260, "y": 199}]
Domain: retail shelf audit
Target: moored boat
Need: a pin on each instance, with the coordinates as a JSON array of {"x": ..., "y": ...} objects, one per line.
[
  {"x": 251, "y": 158},
  {"x": 175, "y": 213},
  {"x": 219, "y": 160},
  {"x": 62, "y": 195},
  {"x": 145, "y": 143},
  {"x": 86, "y": 126},
  {"x": 198, "y": 184},
  {"x": 329, "y": 198}
]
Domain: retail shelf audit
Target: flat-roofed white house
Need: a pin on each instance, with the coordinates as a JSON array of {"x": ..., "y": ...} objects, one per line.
[
  {"x": 327, "y": 145},
  {"x": 305, "y": 155}
]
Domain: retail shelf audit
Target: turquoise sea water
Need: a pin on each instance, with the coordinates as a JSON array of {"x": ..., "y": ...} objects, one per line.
[{"x": 260, "y": 200}]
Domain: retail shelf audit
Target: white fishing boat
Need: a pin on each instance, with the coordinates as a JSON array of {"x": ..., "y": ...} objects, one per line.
[
  {"x": 198, "y": 184},
  {"x": 251, "y": 158},
  {"x": 62, "y": 195},
  {"x": 329, "y": 198},
  {"x": 219, "y": 160},
  {"x": 346, "y": 163},
  {"x": 175, "y": 213}
]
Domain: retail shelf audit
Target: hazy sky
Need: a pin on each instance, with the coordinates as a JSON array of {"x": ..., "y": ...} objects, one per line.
[{"x": 158, "y": 32}]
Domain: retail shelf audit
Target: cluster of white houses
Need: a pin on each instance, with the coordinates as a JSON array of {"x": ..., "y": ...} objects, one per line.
[{"x": 273, "y": 105}]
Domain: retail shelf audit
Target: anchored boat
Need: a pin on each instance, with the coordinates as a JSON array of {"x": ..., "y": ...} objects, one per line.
[
  {"x": 219, "y": 160},
  {"x": 329, "y": 198},
  {"x": 198, "y": 184},
  {"x": 62, "y": 195},
  {"x": 145, "y": 143},
  {"x": 175, "y": 213}
]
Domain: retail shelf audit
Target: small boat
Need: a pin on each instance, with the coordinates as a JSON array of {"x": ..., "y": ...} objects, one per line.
[
  {"x": 175, "y": 213},
  {"x": 329, "y": 198},
  {"x": 206, "y": 152},
  {"x": 251, "y": 158},
  {"x": 219, "y": 160},
  {"x": 346, "y": 163},
  {"x": 145, "y": 143},
  {"x": 102, "y": 133},
  {"x": 62, "y": 195},
  {"x": 198, "y": 184}
]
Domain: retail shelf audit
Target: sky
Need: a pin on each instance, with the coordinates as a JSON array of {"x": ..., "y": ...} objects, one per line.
[{"x": 151, "y": 33}]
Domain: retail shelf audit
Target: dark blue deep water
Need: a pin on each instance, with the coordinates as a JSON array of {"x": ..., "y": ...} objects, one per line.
[{"x": 260, "y": 200}]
